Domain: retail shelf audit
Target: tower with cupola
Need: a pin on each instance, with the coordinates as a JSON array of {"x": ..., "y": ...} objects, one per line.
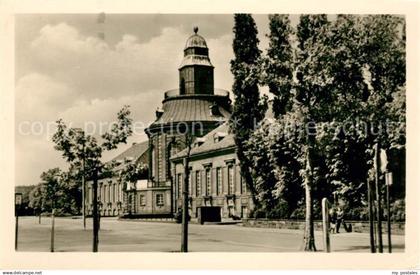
[
  {"x": 196, "y": 107},
  {"x": 196, "y": 70}
]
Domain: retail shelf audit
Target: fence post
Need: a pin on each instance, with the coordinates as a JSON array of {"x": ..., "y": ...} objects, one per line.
[
  {"x": 326, "y": 225},
  {"x": 52, "y": 230}
]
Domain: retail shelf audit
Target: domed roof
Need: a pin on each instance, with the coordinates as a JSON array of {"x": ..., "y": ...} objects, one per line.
[{"x": 195, "y": 41}]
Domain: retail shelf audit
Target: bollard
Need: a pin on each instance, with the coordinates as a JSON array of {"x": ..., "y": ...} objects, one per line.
[
  {"x": 52, "y": 230},
  {"x": 16, "y": 231},
  {"x": 326, "y": 225}
]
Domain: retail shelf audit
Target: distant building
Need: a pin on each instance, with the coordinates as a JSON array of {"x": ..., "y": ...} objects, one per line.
[
  {"x": 112, "y": 196},
  {"x": 198, "y": 108}
]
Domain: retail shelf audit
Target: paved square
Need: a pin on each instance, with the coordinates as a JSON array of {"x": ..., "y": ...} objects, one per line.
[{"x": 123, "y": 236}]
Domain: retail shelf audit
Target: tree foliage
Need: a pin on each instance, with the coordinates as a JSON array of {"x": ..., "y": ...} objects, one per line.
[
  {"x": 248, "y": 110},
  {"x": 131, "y": 172},
  {"x": 338, "y": 88},
  {"x": 78, "y": 148},
  {"x": 57, "y": 190}
]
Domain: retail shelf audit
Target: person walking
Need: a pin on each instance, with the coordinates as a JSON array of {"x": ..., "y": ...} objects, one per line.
[
  {"x": 340, "y": 217},
  {"x": 333, "y": 219}
]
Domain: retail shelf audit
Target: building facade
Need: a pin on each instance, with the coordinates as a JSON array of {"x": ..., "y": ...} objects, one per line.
[
  {"x": 194, "y": 109},
  {"x": 214, "y": 178},
  {"x": 196, "y": 112},
  {"x": 113, "y": 197}
]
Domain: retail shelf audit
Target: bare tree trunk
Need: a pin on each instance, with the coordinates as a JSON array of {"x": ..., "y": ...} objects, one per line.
[
  {"x": 83, "y": 190},
  {"x": 378, "y": 197},
  {"x": 184, "y": 240},
  {"x": 309, "y": 237},
  {"x": 185, "y": 214},
  {"x": 95, "y": 212},
  {"x": 371, "y": 219},
  {"x": 52, "y": 230}
]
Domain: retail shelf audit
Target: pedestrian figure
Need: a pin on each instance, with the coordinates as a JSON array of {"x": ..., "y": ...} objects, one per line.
[
  {"x": 333, "y": 219},
  {"x": 340, "y": 218}
]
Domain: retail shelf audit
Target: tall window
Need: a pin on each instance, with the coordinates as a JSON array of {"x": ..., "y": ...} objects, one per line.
[
  {"x": 101, "y": 192},
  {"x": 208, "y": 182},
  {"x": 114, "y": 191},
  {"x": 120, "y": 192},
  {"x": 142, "y": 200},
  {"x": 197, "y": 183},
  {"x": 159, "y": 200},
  {"x": 179, "y": 180},
  {"x": 153, "y": 162},
  {"x": 219, "y": 180},
  {"x": 243, "y": 185},
  {"x": 109, "y": 193},
  {"x": 231, "y": 186}
]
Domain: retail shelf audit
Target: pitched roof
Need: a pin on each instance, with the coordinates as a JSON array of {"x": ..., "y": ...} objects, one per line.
[
  {"x": 210, "y": 143},
  {"x": 135, "y": 152}
]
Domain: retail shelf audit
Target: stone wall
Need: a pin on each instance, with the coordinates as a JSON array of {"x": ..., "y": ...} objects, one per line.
[{"x": 357, "y": 226}]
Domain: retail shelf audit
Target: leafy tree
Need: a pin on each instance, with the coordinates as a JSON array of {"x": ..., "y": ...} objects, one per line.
[
  {"x": 311, "y": 104},
  {"x": 366, "y": 44},
  {"x": 278, "y": 66},
  {"x": 36, "y": 200},
  {"x": 268, "y": 162},
  {"x": 346, "y": 93},
  {"x": 76, "y": 147},
  {"x": 277, "y": 179},
  {"x": 51, "y": 189},
  {"x": 247, "y": 108}
]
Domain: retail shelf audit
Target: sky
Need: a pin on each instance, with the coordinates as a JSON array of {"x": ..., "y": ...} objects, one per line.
[{"x": 64, "y": 70}]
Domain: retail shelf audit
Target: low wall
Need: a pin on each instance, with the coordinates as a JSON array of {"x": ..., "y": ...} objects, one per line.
[{"x": 357, "y": 226}]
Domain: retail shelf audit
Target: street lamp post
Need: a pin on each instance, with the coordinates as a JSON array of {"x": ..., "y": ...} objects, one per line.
[{"x": 18, "y": 203}]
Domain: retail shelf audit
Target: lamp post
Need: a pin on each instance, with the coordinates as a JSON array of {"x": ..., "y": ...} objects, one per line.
[{"x": 18, "y": 203}]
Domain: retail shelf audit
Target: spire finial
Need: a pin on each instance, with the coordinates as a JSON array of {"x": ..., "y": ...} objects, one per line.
[{"x": 195, "y": 29}]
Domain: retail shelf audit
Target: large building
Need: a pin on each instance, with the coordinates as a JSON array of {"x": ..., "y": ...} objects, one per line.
[
  {"x": 114, "y": 200},
  {"x": 214, "y": 178},
  {"x": 196, "y": 112}
]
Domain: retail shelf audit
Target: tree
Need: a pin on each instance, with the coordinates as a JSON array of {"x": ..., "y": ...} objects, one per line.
[
  {"x": 278, "y": 65},
  {"x": 247, "y": 108},
  {"x": 56, "y": 190},
  {"x": 311, "y": 103},
  {"x": 276, "y": 173},
  {"x": 271, "y": 162},
  {"x": 52, "y": 185},
  {"x": 36, "y": 200},
  {"x": 346, "y": 93},
  {"x": 76, "y": 146},
  {"x": 188, "y": 141}
]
